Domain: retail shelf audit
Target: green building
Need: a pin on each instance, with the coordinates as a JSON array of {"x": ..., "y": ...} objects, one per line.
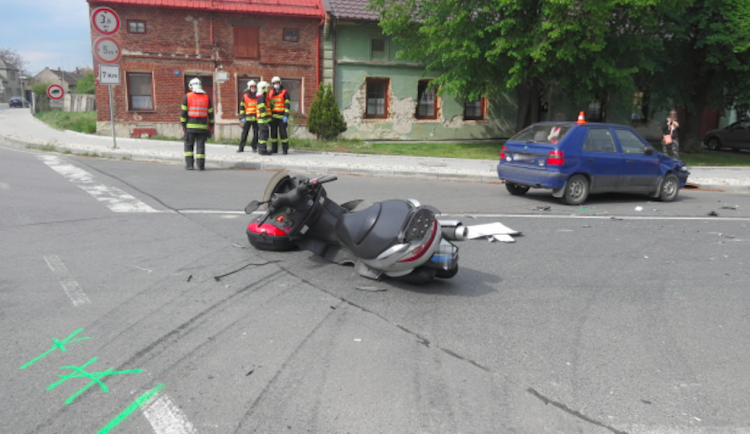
[{"x": 383, "y": 98}]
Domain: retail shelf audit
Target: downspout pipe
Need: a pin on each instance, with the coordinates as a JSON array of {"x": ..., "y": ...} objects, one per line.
[{"x": 317, "y": 59}]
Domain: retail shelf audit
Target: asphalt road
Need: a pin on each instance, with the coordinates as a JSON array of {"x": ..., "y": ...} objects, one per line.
[{"x": 601, "y": 319}]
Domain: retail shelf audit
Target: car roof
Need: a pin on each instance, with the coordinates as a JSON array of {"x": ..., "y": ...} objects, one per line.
[{"x": 596, "y": 124}]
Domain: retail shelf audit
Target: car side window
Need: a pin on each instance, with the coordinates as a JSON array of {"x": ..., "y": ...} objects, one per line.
[
  {"x": 599, "y": 140},
  {"x": 630, "y": 143},
  {"x": 744, "y": 125}
]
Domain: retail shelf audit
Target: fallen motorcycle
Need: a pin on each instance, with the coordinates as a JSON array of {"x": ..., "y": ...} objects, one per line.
[{"x": 400, "y": 239}]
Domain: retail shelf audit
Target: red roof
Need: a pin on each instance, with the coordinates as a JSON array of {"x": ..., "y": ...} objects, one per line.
[{"x": 299, "y": 8}]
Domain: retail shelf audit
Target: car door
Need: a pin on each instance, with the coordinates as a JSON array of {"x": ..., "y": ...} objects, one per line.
[
  {"x": 641, "y": 171},
  {"x": 741, "y": 135},
  {"x": 601, "y": 159}
]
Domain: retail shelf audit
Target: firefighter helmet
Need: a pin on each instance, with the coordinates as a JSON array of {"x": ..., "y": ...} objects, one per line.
[
  {"x": 276, "y": 80},
  {"x": 195, "y": 84},
  {"x": 262, "y": 87},
  {"x": 251, "y": 83}
]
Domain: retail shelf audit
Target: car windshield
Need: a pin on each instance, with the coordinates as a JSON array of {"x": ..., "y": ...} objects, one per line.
[{"x": 542, "y": 133}]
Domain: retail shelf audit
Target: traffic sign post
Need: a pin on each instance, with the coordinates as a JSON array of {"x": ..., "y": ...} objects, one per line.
[{"x": 107, "y": 50}]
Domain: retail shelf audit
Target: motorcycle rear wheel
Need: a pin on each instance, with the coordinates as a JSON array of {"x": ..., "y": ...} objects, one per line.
[{"x": 279, "y": 183}]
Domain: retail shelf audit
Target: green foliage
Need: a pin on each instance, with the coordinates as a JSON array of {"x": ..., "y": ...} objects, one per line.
[
  {"x": 86, "y": 84},
  {"x": 583, "y": 47},
  {"x": 40, "y": 88},
  {"x": 83, "y": 122},
  {"x": 325, "y": 119}
]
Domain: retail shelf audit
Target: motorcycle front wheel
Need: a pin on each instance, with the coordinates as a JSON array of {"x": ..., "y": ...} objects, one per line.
[{"x": 280, "y": 182}]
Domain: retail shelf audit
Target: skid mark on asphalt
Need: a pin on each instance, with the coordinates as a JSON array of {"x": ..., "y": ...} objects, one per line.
[
  {"x": 166, "y": 418},
  {"x": 70, "y": 286},
  {"x": 114, "y": 198}
]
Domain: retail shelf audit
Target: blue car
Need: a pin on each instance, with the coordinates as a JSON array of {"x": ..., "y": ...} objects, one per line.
[{"x": 574, "y": 159}]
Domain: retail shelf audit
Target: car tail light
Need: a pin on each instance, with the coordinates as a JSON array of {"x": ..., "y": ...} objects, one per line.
[
  {"x": 555, "y": 158},
  {"x": 502, "y": 152},
  {"x": 420, "y": 250}
]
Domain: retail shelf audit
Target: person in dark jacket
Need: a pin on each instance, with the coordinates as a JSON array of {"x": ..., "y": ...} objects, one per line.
[
  {"x": 264, "y": 117},
  {"x": 280, "y": 104},
  {"x": 249, "y": 116},
  {"x": 197, "y": 119},
  {"x": 670, "y": 129}
]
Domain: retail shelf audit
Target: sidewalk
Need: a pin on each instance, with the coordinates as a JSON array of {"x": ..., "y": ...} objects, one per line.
[{"x": 20, "y": 128}]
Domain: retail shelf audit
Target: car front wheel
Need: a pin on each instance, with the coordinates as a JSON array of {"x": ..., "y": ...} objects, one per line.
[
  {"x": 576, "y": 190},
  {"x": 714, "y": 144},
  {"x": 669, "y": 188},
  {"x": 515, "y": 189}
]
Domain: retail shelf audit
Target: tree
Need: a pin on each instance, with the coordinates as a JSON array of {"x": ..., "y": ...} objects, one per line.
[
  {"x": 12, "y": 56},
  {"x": 325, "y": 119},
  {"x": 86, "y": 84},
  {"x": 706, "y": 62},
  {"x": 583, "y": 48},
  {"x": 40, "y": 88}
]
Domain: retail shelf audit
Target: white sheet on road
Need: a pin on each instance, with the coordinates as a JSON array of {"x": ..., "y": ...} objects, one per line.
[{"x": 493, "y": 232}]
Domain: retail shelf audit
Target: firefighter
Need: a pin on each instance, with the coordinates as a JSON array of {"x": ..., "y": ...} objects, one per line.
[
  {"x": 280, "y": 102},
  {"x": 197, "y": 120},
  {"x": 264, "y": 116},
  {"x": 249, "y": 116}
]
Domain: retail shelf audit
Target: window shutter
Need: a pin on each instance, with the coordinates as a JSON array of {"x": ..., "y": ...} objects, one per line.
[{"x": 246, "y": 42}]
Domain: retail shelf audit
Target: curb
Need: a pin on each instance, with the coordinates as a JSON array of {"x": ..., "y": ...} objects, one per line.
[{"x": 433, "y": 175}]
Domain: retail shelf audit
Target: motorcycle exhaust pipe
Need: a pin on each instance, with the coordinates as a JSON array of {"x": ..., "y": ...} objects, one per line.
[{"x": 453, "y": 230}]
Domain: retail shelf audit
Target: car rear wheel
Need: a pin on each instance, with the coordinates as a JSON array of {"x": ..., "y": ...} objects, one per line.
[
  {"x": 669, "y": 188},
  {"x": 515, "y": 189},
  {"x": 576, "y": 190},
  {"x": 714, "y": 144}
]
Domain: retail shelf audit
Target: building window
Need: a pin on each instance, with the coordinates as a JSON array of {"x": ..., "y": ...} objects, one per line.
[
  {"x": 377, "y": 49},
  {"x": 426, "y": 101},
  {"x": 294, "y": 87},
  {"x": 377, "y": 98},
  {"x": 474, "y": 110},
  {"x": 136, "y": 26},
  {"x": 246, "y": 44},
  {"x": 140, "y": 91},
  {"x": 291, "y": 35}
]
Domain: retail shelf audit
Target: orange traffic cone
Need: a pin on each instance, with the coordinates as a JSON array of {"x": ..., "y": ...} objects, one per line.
[{"x": 581, "y": 120}]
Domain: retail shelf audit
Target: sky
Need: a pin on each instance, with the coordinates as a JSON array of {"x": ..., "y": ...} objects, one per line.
[{"x": 50, "y": 33}]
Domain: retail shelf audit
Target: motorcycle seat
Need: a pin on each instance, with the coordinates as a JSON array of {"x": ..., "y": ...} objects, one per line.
[{"x": 369, "y": 232}]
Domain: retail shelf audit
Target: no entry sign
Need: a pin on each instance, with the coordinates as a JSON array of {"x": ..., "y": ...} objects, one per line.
[
  {"x": 55, "y": 91},
  {"x": 105, "y": 21}
]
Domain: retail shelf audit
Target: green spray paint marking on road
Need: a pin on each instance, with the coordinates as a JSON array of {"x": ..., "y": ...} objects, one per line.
[
  {"x": 95, "y": 377},
  {"x": 57, "y": 344},
  {"x": 131, "y": 408}
]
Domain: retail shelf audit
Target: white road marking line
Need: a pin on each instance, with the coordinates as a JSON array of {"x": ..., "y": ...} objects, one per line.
[
  {"x": 4, "y": 186},
  {"x": 166, "y": 418},
  {"x": 70, "y": 286},
  {"x": 115, "y": 199},
  {"x": 597, "y": 217},
  {"x": 209, "y": 211}
]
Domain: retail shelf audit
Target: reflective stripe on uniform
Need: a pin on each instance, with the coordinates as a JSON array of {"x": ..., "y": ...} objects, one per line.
[
  {"x": 188, "y": 154},
  {"x": 183, "y": 120},
  {"x": 197, "y": 126},
  {"x": 199, "y": 156}
]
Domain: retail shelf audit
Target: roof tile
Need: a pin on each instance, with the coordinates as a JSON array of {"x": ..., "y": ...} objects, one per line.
[{"x": 353, "y": 10}]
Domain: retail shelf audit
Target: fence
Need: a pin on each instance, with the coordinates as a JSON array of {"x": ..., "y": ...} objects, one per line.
[{"x": 79, "y": 103}]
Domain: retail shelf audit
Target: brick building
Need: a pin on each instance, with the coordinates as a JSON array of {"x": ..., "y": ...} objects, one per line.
[{"x": 166, "y": 43}]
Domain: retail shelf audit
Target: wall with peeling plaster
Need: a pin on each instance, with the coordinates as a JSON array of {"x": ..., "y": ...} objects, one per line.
[{"x": 354, "y": 65}]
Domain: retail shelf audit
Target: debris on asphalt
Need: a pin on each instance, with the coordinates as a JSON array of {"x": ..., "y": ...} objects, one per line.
[
  {"x": 586, "y": 226},
  {"x": 239, "y": 246},
  {"x": 639, "y": 208},
  {"x": 713, "y": 214},
  {"x": 250, "y": 373},
  {"x": 492, "y": 232},
  {"x": 615, "y": 218},
  {"x": 370, "y": 288},
  {"x": 189, "y": 277},
  {"x": 357, "y": 340},
  {"x": 733, "y": 208},
  {"x": 542, "y": 208}
]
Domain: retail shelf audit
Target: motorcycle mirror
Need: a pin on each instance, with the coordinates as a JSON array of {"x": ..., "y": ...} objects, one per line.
[{"x": 252, "y": 207}]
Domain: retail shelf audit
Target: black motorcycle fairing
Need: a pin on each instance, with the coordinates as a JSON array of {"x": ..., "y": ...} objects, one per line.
[{"x": 369, "y": 232}]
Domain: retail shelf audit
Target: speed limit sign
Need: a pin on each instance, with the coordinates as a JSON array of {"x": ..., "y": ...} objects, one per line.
[{"x": 107, "y": 50}]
